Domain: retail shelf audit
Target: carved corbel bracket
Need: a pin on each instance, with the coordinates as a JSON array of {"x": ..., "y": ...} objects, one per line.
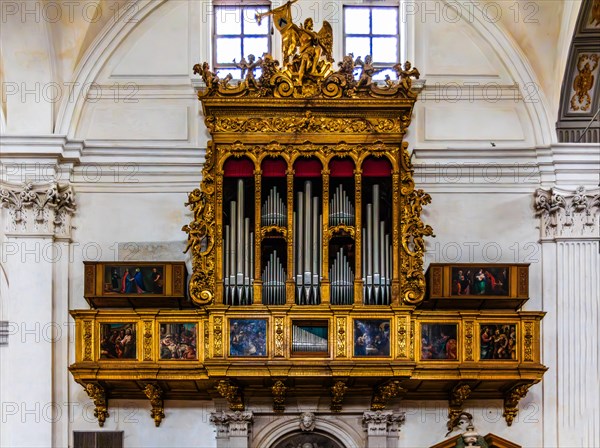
[
  {"x": 232, "y": 393},
  {"x": 278, "y": 390},
  {"x": 338, "y": 390},
  {"x": 98, "y": 396},
  {"x": 384, "y": 393},
  {"x": 457, "y": 397},
  {"x": 511, "y": 402},
  {"x": 155, "y": 395}
]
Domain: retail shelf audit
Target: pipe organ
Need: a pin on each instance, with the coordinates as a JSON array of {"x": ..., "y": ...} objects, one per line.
[
  {"x": 307, "y": 248},
  {"x": 377, "y": 262},
  {"x": 287, "y": 263},
  {"x": 238, "y": 252}
]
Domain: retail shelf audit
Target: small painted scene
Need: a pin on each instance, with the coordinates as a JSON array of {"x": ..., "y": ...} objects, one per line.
[
  {"x": 134, "y": 279},
  {"x": 178, "y": 341},
  {"x": 498, "y": 341},
  {"x": 117, "y": 341},
  {"x": 247, "y": 337},
  {"x": 371, "y": 337},
  {"x": 438, "y": 342},
  {"x": 491, "y": 281}
]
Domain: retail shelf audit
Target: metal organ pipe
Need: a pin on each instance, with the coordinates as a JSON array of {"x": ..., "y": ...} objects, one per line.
[
  {"x": 341, "y": 210},
  {"x": 342, "y": 280},
  {"x": 308, "y": 247},
  {"x": 377, "y": 263},
  {"x": 307, "y": 341},
  {"x": 238, "y": 259},
  {"x": 273, "y": 211},
  {"x": 273, "y": 278}
]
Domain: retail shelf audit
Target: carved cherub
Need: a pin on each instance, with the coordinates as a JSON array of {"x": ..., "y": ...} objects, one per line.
[
  {"x": 210, "y": 78},
  {"x": 307, "y": 421},
  {"x": 347, "y": 66},
  {"x": 248, "y": 68},
  {"x": 368, "y": 70},
  {"x": 405, "y": 74}
]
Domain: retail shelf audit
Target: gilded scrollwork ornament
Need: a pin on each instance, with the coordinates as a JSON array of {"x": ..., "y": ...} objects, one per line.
[
  {"x": 457, "y": 397},
  {"x": 338, "y": 390},
  {"x": 201, "y": 234},
  {"x": 511, "y": 402},
  {"x": 98, "y": 396},
  {"x": 278, "y": 390},
  {"x": 155, "y": 395},
  {"x": 384, "y": 393},
  {"x": 232, "y": 393}
]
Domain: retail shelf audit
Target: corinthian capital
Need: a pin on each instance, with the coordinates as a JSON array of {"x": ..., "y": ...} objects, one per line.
[
  {"x": 568, "y": 214},
  {"x": 38, "y": 209}
]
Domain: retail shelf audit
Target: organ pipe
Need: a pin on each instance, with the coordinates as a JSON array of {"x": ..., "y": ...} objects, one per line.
[
  {"x": 341, "y": 210},
  {"x": 238, "y": 253},
  {"x": 376, "y": 255},
  {"x": 273, "y": 278},
  {"x": 273, "y": 211},
  {"x": 308, "y": 246},
  {"x": 307, "y": 341},
  {"x": 342, "y": 280}
]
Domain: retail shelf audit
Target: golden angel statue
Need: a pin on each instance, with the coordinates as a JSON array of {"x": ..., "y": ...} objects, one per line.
[{"x": 302, "y": 47}]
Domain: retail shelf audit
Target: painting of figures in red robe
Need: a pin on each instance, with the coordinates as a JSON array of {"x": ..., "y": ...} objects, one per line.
[
  {"x": 489, "y": 281},
  {"x": 438, "y": 342},
  {"x": 498, "y": 341},
  {"x": 134, "y": 279}
]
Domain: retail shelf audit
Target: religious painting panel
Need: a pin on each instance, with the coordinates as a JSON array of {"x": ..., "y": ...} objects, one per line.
[
  {"x": 118, "y": 340},
  {"x": 439, "y": 342},
  {"x": 178, "y": 341},
  {"x": 491, "y": 281},
  {"x": 371, "y": 337},
  {"x": 498, "y": 341},
  {"x": 128, "y": 279},
  {"x": 247, "y": 337}
]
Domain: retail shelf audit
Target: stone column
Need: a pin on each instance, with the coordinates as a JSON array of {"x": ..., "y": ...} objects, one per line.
[
  {"x": 34, "y": 217},
  {"x": 569, "y": 226},
  {"x": 382, "y": 428},
  {"x": 233, "y": 428}
]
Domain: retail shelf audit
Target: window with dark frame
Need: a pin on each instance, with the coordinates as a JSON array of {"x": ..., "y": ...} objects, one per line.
[
  {"x": 238, "y": 35},
  {"x": 375, "y": 31},
  {"x": 3, "y": 333}
]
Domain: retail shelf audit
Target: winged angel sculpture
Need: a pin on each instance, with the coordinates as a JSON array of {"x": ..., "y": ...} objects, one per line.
[{"x": 302, "y": 47}]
